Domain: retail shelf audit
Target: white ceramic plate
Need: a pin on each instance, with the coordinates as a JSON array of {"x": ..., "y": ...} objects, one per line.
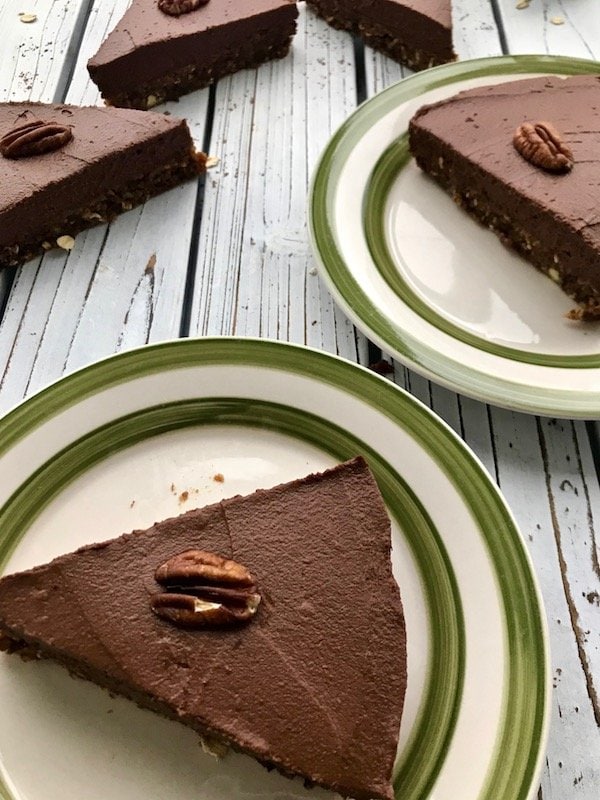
[
  {"x": 117, "y": 445},
  {"x": 425, "y": 281}
]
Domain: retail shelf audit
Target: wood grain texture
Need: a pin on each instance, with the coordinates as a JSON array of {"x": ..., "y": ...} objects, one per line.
[
  {"x": 559, "y": 27},
  {"x": 35, "y": 57},
  {"x": 475, "y": 33},
  {"x": 255, "y": 275},
  {"x": 544, "y": 476}
]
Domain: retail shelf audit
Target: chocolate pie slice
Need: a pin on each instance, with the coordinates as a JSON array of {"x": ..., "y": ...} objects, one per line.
[
  {"x": 417, "y": 33},
  {"x": 162, "y": 49},
  {"x": 65, "y": 168},
  {"x": 270, "y": 623},
  {"x": 523, "y": 158}
]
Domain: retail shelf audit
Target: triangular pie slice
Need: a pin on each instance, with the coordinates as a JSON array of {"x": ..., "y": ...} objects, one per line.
[
  {"x": 523, "y": 157},
  {"x": 417, "y": 33},
  {"x": 65, "y": 168},
  {"x": 312, "y": 683},
  {"x": 158, "y": 51}
]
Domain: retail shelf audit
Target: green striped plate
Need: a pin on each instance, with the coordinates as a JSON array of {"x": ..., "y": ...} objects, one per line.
[
  {"x": 425, "y": 281},
  {"x": 140, "y": 436}
]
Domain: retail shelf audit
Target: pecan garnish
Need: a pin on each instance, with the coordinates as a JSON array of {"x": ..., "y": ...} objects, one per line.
[
  {"x": 34, "y": 138},
  {"x": 204, "y": 590},
  {"x": 175, "y": 8},
  {"x": 541, "y": 145}
]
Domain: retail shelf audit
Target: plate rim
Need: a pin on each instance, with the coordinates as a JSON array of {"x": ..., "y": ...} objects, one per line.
[
  {"x": 442, "y": 603},
  {"x": 473, "y": 381},
  {"x": 71, "y": 389}
]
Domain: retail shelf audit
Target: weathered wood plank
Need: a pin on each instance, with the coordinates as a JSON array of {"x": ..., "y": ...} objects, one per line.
[
  {"x": 475, "y": 32},
  {"x": 559, "y": 27},
  {"x": 542, "y": 468},
  {"x": 122, "y": 285},
  {"x": 575, "y": 503},
  {"x": 255, "y": 274},
  {"x": 35, "y": 56}
]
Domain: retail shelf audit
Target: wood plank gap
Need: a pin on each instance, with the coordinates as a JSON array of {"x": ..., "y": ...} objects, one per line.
[
  {"x": 494, "y": 449},
  {"x": 190, "y": 279},
  {"x": 70, "y": 62},
  {"x": 6, "y": 281},
  {"x": 588, "y": 500},
  {"x": 13, "y": 342},
  {"x": 500, "y": 25},
  {"x": 572, "y": 608},
  {"x": 461, "y": 419},
  {"x": 360, "y": 70},
  {"x": 593, "y": 432},
  {"x": 374, "y": 353}
]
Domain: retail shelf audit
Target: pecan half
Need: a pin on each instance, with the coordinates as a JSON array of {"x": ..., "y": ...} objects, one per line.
[
  {"x": 541, "y": 145},
  {"x": 175, "y": 8},
  {"x": 204, "y": 590},
  {"x": 34, "y": 138}
]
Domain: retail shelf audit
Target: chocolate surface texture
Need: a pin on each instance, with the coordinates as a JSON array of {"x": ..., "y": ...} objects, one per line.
[
  {"x": 151, "y": 56},
  {"x": 415, "y": 32},
  {"x": 313, "y": 685},
  {"x": 551, "y": 218},
  {"x": 115, "y": 160}
]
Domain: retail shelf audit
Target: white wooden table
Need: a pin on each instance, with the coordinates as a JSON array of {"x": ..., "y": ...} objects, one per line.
[{"x": 205, "y": 260}]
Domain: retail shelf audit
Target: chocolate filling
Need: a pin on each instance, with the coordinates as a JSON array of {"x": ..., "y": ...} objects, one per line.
[
  {"x": 420, "y": 38},
  {"x": 465, "y": 143},
  {"x": 116, "y": 160},
  {"x": 312, "y": 686},
  {"x": 151, "y": 57}
]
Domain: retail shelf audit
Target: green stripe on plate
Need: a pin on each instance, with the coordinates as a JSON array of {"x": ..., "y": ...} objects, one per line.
[
  {"x": 382, "y": 179},
  {"x": 515, "y": 766}
]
